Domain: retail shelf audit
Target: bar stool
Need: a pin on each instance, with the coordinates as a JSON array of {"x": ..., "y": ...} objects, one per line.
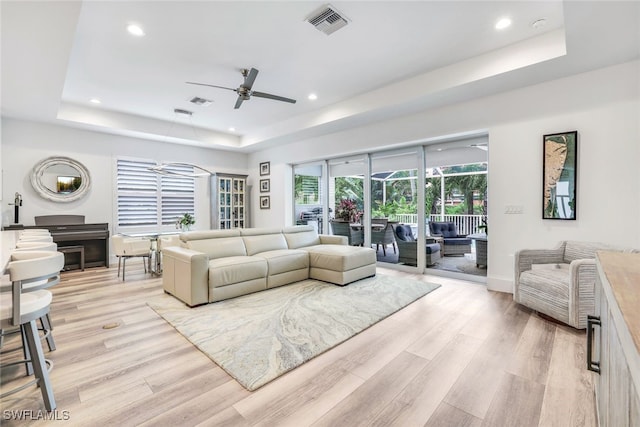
[
  {"x": 32, "y": 285},
  {"x": 21, "y": 308},
  {"x": 36, "y": 246},
  {"x": 36, "y": 238},
  {"x": 35, "y": 231}
]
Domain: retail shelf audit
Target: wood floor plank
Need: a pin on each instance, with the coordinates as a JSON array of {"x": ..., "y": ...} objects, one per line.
[
  {"x": 533, "y": 353},
  {"x": 475, "y": 388},
  {"x": 569, "y": 399},
  {"x": 516, "y": 403},
  {"x": 294, "y": 405},
  {"x": 448, "y": 416},
  {"x": 362, "y": 406},
  {"x": 424, "y": 393}
]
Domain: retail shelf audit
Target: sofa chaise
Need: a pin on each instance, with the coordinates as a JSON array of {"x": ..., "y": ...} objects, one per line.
[{"x": 215, "y": 265}]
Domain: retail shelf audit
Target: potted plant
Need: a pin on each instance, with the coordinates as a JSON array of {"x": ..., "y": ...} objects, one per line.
[
  {"x": 347, "y": 211},
  {"x": 185, "y": 222}
]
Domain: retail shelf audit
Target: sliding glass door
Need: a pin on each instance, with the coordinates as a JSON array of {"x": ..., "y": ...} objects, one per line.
[
  {"x": 388, "y": 200},
  {"x": 309, "y": 195},
  {"x": 395, "y": 193},
  {"x": 347, "y": 198}
]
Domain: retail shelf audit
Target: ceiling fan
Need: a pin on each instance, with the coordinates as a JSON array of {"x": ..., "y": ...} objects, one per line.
[{"x": 244, "y": 91}]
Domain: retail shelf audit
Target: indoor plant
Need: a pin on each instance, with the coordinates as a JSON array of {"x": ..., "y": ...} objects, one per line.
[{"x": 185, "y": 221}]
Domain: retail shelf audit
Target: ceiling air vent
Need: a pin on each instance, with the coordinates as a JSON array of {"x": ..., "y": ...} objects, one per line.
[
  {"x": 182, "y": 112},
  {"x": 327, "y": 19},
  {"x": 200, "y": 101}
]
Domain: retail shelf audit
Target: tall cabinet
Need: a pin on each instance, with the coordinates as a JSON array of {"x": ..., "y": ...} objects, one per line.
[
  {"x": 613, "y": 339},
  {"x": 229, "y": 201}
]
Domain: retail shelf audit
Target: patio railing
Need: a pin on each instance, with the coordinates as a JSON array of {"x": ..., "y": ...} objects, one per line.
[{"x": 467, "y": 224}]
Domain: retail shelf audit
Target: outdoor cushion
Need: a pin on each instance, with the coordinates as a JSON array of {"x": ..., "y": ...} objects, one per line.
[
  {"x": 458, "y": 242},
  {"x": 432, "y": 248},
  {"x": 404, "y": 233},
  {"x": 444, "y": 229}
]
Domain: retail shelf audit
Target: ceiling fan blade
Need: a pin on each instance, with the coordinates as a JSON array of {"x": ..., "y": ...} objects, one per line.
[
  {"x": 204, "y": 84},
  {"x": 274, "y": 97},
  {"x": 251, "y": 77},
  {"x": 239, "y": 102}
]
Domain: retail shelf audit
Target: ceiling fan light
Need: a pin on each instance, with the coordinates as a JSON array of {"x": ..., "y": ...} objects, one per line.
[{"x": 312, "y": 97}]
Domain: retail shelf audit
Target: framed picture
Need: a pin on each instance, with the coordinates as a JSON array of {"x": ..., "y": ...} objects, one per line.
[
  {"x": 265, "y": 168},
  {"x": 265, "y": 202},
  {"x": 265, "y": 185},
  {"x": 559, "y": 179}
]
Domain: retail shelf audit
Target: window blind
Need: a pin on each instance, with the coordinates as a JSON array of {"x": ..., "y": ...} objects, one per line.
[{"x": 146, "y": 198}]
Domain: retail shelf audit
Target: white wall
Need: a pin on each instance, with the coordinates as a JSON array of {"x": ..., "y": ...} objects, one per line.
[
  {"x": 25, "y": 143},
  {"x": 602, "y": 105}
]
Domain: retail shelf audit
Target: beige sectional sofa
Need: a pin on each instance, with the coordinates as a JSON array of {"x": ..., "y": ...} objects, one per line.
[{"x": 215, "y": 265}]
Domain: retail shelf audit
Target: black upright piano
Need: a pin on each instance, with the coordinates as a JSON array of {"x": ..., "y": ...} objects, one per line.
[{"x": 71, "y": 230}]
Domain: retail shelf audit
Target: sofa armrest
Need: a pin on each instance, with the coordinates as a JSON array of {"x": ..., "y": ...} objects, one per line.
[
  {"x": 582, "y": 282},
  {"x": 185, "y": 275},
  {"x": 326, "y": 239}
]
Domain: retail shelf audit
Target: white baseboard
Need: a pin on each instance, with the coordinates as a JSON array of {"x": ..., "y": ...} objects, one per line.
[{"x": 500, "y": 285}]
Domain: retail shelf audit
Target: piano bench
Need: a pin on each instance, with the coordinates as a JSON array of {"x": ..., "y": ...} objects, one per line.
[{"x": 74, "y": 249}]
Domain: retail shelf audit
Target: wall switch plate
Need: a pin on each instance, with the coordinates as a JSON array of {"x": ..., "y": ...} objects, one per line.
[{"x": 514, "y": 209}]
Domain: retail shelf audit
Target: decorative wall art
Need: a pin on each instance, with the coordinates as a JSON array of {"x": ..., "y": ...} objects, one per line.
[
  {"x": 265, "y": 185},
  {"x": 265, "y": 168},
  {"x": 265, "y": 202},
  {"x": 560, "y": 163}
]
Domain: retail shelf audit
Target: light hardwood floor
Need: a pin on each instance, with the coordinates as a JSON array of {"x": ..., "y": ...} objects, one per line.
[{"x": 460, "y": 356}]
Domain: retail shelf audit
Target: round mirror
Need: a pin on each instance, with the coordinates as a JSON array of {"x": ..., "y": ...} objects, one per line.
[{"x": 60, "y": 179}]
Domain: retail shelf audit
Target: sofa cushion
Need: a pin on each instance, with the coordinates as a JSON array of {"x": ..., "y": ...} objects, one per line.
[
  {"x": 218, "y": 247},
  {"x": 236, "y": 269},
  {"x": 301, "y": 236},
  {"x": 256, "y": 244},
  {"x": 340, "y": 257},
  {"x": 207, "y": 234},
  {"x": 283, "y": 260}
]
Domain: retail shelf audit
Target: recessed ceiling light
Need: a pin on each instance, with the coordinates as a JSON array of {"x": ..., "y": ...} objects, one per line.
[
  {"x": 312, "y": 97},
  {"x": 95, "y": 101},
  {"x": 136, "y": 30},
  {"x": 503, "y": 23},
  {"x": 539, "y": 23},
  {"x": 232, "y": 129}
]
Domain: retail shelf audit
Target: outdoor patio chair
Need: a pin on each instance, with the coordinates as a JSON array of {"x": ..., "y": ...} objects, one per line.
[
  {"x": 453, "y": 243},
  {"x": 408, "y": 247},
  {"x": 354, "y": 234},
  {"x": 382, "y": 234}
]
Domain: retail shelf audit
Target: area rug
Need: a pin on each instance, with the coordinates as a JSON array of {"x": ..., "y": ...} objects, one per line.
[{"x": 258, "y": 337}]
